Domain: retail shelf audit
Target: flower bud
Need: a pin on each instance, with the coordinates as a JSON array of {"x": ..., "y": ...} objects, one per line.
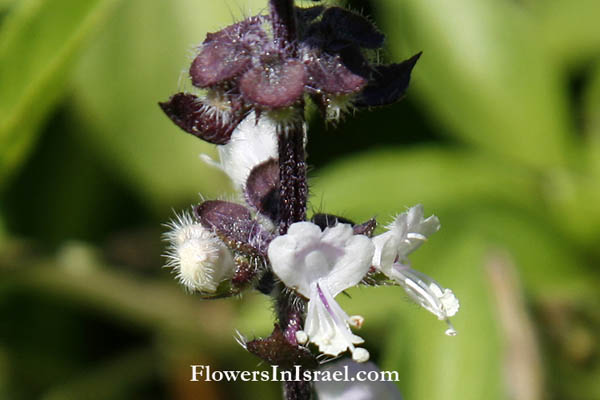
[{"x": 200, "y": 260}]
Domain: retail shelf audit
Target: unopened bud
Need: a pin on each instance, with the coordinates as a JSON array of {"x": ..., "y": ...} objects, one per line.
[{"x": 200, "y": 260}]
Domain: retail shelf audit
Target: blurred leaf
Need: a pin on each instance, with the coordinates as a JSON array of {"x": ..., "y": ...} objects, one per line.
[
  {"x": 382, "y": 183},
  {"x": 39, "y": 41},
  {"x": 484, "y": 74},
  {"x": 469, "y": 365},
  {"x": 574, "y": 197},
  {"x": 254, "y": 315},
  {"x": 570, "y": 29},
  {"x": 148, "y": 303},
  {"x": 5, "y": 4},
  {"x": 547, "y": 261},
  {"x": 592, "y": 122},
  {"x": 2, "y": 231},
  {"x": 4, "y": 373},
  {"x": 117, "y": 379},
  {"x": 136, "y": 63}
]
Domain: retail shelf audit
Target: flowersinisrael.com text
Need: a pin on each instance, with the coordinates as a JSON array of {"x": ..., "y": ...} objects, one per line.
[{"x": 275, "y": 374}]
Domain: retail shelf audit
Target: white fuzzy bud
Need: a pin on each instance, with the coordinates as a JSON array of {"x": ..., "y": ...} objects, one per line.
[{"x": 200, "y": 260}]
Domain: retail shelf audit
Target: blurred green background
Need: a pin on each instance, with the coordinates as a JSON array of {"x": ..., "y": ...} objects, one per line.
[{"x": 499, "y": 136}]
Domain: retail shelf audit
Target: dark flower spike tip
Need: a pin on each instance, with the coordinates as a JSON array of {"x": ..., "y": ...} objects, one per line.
[
  {"x": 190, "y": 114},
  {"x": 307, "y": 15},
  {"x": 339, "y": 29},
  {"x": 388, "y": 85},
  {"x": 233, "y": 223},
  {"x": 227, "y": 53},
  {"x": 262, "y": 189},
  {"x": 274, "y": 85},
  {"x": 276, "y": 350},
  {"x": 366, "y": 228},
  {"x": 353, "y": 59},
  {"x": 352, "y": 28},
  {"x": 328, "y": 74},
  {"x": 329, "y": 220}
]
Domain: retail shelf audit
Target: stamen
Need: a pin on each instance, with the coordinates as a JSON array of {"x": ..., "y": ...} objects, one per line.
[
  {"x": 356, "y": 321},
  {"x": 360, "y": 355},
  {"x": 301, "y": 337}
]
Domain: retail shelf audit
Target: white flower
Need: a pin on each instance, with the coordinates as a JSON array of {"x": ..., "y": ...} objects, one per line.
[
  {"x": 406, "y": 234},
  {"x": 319, "y": 265},
  {"x": 252, "y": 142},
  {"x": 408, "y": 231},
  {"x": 428, "y": 293},
  {"x": 200, "y": 260}
]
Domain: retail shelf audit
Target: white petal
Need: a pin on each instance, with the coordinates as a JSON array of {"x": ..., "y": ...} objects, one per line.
[
  {"x": 327, "y": 324},
  {"x": 337, "y": 235},
  {"x": 353, "y": 265},
  {"x": 252, "y": 142},
  {"x": 306, "y": 255},
  {"x": 386, "y": 251},
  {"x": 288, "y": 256},
  {"x": 412, "y": 230}
]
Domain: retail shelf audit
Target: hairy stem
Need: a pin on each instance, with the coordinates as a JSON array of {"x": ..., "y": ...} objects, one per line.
[
  {"x": 293, "y": 188},
  {"x": 284, "y": 23},
  {"x": 296, "y": 390}
]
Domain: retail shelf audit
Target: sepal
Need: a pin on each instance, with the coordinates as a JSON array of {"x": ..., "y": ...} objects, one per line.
[
  {"x": 275, "y": 84},
  {"x": 277, "y": 350},
  {"x": 226, "y": 54},
  {"x": 388, "y": 84},
  {"x": 195, "y": 116},
  {"x": 262, "y": 189},
  {"x": 234, "y": 225}
]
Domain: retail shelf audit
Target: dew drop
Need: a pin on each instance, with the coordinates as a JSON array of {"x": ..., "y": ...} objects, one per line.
[{"x": 451, "y": 332}]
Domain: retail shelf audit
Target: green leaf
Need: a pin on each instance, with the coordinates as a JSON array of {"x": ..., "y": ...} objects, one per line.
[
  {"x": 382, "y": 183},
  {"x": 39, "y": 41},
  {"x": 141, "y": 59},
  {"x": 484, "y": 75}
]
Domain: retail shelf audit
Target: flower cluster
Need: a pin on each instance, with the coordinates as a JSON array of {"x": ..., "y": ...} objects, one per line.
[
  {"x": 242, "y": 68},
  {"x": 256, "y": 82}
]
